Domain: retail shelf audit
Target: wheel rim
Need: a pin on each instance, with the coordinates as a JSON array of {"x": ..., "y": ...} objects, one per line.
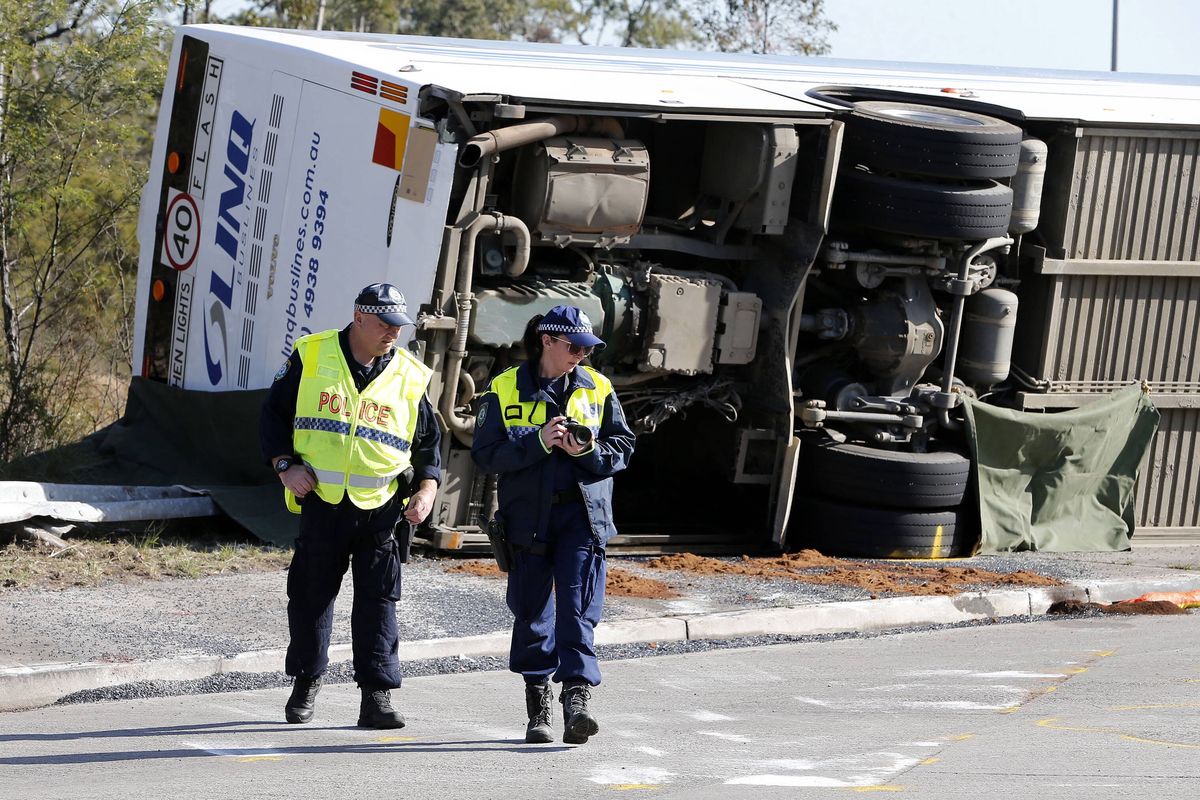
[{"x": 929, "y": 116}]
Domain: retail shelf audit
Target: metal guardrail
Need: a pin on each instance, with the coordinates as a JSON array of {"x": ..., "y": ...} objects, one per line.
[{"x": 75, "y": 503}]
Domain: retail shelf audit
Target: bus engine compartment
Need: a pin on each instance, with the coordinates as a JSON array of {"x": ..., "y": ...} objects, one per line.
[{"x": 754, "y": 280}]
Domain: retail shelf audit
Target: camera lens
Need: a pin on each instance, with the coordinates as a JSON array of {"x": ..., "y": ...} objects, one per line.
[{"x": 581, "y": 433}]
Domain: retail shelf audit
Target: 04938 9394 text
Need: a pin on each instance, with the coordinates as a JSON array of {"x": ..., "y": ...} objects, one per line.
[{"x": 306, "y": 266}]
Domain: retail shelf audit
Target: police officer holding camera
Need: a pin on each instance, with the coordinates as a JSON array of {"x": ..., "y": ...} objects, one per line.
[
  {"x": 348, "y": 429},
  {"x": 554, "y": 432}
]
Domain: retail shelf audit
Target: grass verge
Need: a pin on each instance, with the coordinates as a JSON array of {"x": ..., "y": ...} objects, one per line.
[{"x": 182, "y": 549}]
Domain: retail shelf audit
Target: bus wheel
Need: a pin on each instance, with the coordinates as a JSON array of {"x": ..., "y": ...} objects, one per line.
[
  {"x": 855, "y": 531},
  {"x": 885, "y": 477},
  {"x": 927, "y": 210},
  {"x": 930, "y": 141}
]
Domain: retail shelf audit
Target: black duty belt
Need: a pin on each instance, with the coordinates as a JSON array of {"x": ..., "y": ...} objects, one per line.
[{"x": 566, "y": 496}]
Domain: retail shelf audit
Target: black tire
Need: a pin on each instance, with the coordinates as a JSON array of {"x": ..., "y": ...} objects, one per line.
[
  {"x": 925, "y": 210},
  {"x": 930, "y": 141},
  {"x": 839, "y": 529},
  {"x": 884, "y": 477}
]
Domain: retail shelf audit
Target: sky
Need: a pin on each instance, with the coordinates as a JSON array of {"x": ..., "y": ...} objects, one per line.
[{"x": 1153, "y": 35}]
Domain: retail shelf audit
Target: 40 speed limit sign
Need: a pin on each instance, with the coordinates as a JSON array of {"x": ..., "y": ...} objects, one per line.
[{"x": 181, "y": 230}]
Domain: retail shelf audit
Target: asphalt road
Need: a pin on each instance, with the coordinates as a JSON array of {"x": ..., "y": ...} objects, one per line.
[{"x": 1079, "y": 708}]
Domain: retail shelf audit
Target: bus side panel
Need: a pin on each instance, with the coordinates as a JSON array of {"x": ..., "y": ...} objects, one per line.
[
  {"x": 419, "y": 201},
  {"x": 207, "y": 241},
  {"x": 352, "y": 215},
  {"x": 275, "y": 199}
]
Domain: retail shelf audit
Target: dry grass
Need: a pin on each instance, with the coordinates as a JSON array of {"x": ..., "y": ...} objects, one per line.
[{"x": 123, "y": 557}]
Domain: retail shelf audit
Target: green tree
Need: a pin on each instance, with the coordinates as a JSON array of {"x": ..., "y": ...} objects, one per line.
[
  {"x": 637, "y": 23},
  {"x": 766, "y": 26},
  {"x": 624, "y": 23},
  {"x": 369, "y": 16},
  {"x": 758, "y": 26},
  {"x": 79, "y": 84}
]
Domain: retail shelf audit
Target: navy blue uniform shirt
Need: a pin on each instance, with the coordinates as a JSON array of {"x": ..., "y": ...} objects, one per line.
[
  {"x": 563, "y": 477},
  {"x": 529, "y": 475}
]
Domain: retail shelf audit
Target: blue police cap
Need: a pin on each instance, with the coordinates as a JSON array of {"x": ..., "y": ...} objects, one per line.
[
  {"x": 384, "y": 301},
  {"x": 568, "y": 322}
]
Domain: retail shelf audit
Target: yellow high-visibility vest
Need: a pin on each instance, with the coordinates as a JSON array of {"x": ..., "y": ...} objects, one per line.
[
  {"x": 585, "y": 405},
  {"x": 355, "y": 444}
]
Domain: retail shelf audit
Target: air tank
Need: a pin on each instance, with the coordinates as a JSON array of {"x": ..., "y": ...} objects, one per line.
[
  {"x": 1027, "y": 186},
  {"x": 985, "y": 346}
]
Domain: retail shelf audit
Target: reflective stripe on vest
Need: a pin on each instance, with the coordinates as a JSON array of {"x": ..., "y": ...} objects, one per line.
[
  {"x": 357, "y": 481},
  {"x": 585, "y": 405},
  {"x": 343, "y": 428},
  {"x": 356, "y": 445}
]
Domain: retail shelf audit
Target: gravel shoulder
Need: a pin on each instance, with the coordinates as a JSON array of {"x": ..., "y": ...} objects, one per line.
[{"x": 229, "y": 614}]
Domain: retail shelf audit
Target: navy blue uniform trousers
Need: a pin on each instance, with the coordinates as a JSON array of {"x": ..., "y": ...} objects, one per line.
[
  {"x": 332, "y": 538},
  {"x": 556, "y": 599}
]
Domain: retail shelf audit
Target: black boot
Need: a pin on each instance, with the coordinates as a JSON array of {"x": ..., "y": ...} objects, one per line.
[
  {"x": 539, "y": 698},
  {"x": 300, "y": 705},
  {"x": 376, "y": 710},
  {"x": 578, "y": 722}
]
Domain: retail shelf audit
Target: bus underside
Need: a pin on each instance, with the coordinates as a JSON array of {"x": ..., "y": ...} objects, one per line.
[{"x": 790, "y": 304}]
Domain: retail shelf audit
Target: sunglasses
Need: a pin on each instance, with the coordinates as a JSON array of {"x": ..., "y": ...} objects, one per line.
[{"x": 575, "y": 349}]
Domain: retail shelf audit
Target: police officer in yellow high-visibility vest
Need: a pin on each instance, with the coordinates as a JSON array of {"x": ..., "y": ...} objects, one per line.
[
  {"x": 553, "y": 430},
  {"x": 348, "y": 429}
]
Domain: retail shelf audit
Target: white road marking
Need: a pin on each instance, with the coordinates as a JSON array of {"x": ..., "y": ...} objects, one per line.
[
  {"x": 944, "y": 673},
  {"x": 812, "y": 701},
  {"x": 1015, "y": 674},
  {"x": 617, "y": 774},
  {"x": 708, "y": 716},
  {"x": 730, "y": 737},
  {"x": 789, "y": 763},
  {"x": 808, "y": 781},
  {"x": 957, "y": 705},
  {"x": 238, "y": 751},
  {"x": 868, "y": 769},
  {"x": 652, "y": 751},
  {"x": 909, "y": 687}
]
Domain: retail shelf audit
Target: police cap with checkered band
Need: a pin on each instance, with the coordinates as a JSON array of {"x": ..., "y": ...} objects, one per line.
[
  {"x": 384, "y": 301},
  {"x": 568, "y": 322}
]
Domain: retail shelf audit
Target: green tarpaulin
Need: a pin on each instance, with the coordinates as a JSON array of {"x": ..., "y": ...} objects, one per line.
[{"x": 1060, "y": 482}]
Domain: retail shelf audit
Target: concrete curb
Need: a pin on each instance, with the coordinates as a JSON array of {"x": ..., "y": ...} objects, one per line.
[{"x": 29, "y": 686}]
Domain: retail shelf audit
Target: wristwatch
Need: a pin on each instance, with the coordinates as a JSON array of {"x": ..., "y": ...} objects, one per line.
[{"x": 283, "y": 465}]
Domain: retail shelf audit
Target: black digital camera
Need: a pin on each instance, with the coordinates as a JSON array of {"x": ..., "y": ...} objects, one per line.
[{"x": 581, "y": 433}]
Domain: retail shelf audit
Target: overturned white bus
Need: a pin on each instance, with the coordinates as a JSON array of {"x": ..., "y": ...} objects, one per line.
[{"x": 770, "y": 246}]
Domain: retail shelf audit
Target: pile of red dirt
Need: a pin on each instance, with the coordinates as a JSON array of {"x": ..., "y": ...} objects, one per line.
[
  {"x": 620, "y": 583},
  {"x": 876, "y": 577},
  {"x": 807, "y": 566},
  {"x": 1150, "y": 607},
  {"x": 625, "y": 584},
  {"x": 483, "y": 569}
]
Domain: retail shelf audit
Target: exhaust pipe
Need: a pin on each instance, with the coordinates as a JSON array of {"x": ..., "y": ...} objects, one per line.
[{"x": 488, "y": 144}]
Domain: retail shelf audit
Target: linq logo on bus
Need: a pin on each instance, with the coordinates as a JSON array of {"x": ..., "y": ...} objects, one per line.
[{"x": 231, "y": 216}]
